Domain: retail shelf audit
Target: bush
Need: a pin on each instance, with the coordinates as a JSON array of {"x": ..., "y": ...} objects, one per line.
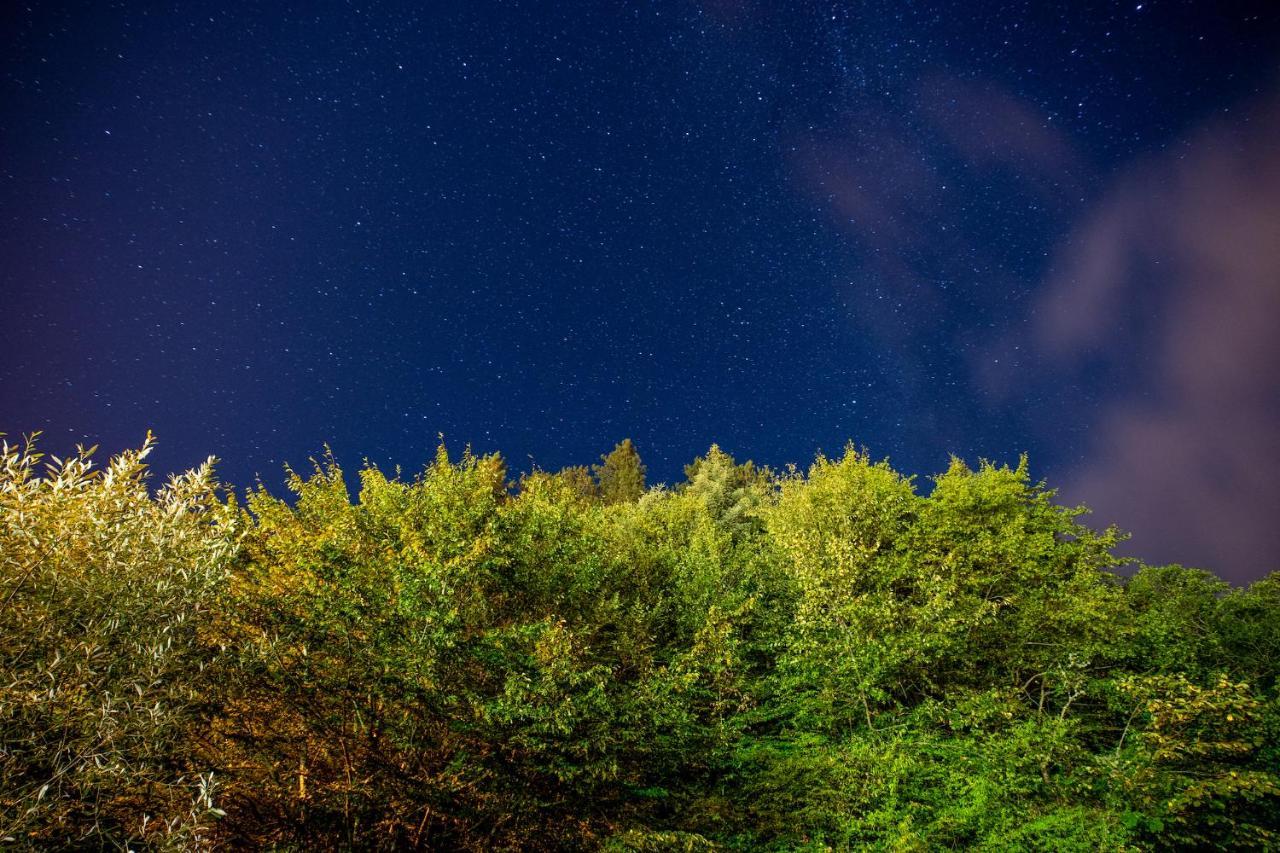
[{"x": 106, "y": 595}]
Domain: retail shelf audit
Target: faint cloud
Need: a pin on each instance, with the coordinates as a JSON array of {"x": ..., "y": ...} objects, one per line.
[
  {"x": 879, "y": 175},
  {"x": 873, "y": 181},
  {"x": 879, "y": 187},
  {"x": 991, "y": 127},
  {"x": 1180, "y": 262}
]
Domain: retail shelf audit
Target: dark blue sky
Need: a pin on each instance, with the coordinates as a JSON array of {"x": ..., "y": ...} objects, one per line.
[{"x": 960, "y": 228}]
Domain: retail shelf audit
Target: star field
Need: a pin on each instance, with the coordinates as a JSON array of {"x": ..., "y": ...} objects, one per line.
[{"x": 539, "y": 228}]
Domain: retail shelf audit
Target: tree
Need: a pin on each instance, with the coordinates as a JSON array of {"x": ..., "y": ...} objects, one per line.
[
  {"x": 732, "y": 493},
  {"x": 578, "y": 479},
  {"x": 826, "y": 659},
  {"x": 621, "y": 476}
]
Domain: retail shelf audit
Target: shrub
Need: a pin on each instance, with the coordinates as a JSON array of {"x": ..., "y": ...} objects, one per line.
[{"x": 106, "y": 593}]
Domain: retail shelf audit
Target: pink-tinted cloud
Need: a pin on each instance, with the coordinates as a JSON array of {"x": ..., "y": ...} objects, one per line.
[
  {"x": 1184, "y": 254},
  {"x": 1170, "y": 283},
  {"x": 879, "y": 176},
  {"x": 991, "y": 127},
  {"x": 874, "y": 183}
]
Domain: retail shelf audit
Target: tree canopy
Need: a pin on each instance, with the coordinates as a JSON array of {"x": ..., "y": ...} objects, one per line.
[
  {"x": 833, "y": 658},
  {"x": 620, "y": 476}
]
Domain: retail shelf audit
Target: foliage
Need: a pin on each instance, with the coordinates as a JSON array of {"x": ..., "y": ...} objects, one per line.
[
  {"x": 830, "y": 659},
  {"x": 106, "y": 595},
  {"x": 620, "y": 476}
]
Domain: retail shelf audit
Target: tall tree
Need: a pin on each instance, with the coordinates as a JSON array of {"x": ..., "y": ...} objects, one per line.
[
  {"x": 730, "y": 491},
  {"x": 621, "y": 474}
]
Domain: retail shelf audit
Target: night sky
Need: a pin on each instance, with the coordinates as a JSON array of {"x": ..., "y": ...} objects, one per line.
[{"x": 948, "y": 228}]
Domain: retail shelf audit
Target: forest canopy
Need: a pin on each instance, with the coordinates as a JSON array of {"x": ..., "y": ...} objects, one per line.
[{"x": 832, "y": 658}]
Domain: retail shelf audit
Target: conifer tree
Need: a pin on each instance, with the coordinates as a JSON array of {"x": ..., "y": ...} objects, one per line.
[{"x": 621, "y": 476}]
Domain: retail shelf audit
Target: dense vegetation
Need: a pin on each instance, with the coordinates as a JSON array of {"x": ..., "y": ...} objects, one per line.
[{"x": 826, "y": 659}]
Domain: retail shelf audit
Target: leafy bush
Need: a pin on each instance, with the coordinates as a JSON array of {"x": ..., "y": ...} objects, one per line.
[{"x": 106, "y": 597}]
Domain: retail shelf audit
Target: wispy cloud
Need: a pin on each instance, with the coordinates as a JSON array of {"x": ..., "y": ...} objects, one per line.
[
  {"x": 991, "y": 128},
  {"x": 1182, "y": 258}
]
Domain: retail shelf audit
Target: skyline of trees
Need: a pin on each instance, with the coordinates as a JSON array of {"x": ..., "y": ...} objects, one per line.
[{"x": 828, "y": 658}]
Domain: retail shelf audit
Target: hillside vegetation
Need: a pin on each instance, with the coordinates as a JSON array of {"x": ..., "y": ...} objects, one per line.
[{"x": 825, "y": 659}]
